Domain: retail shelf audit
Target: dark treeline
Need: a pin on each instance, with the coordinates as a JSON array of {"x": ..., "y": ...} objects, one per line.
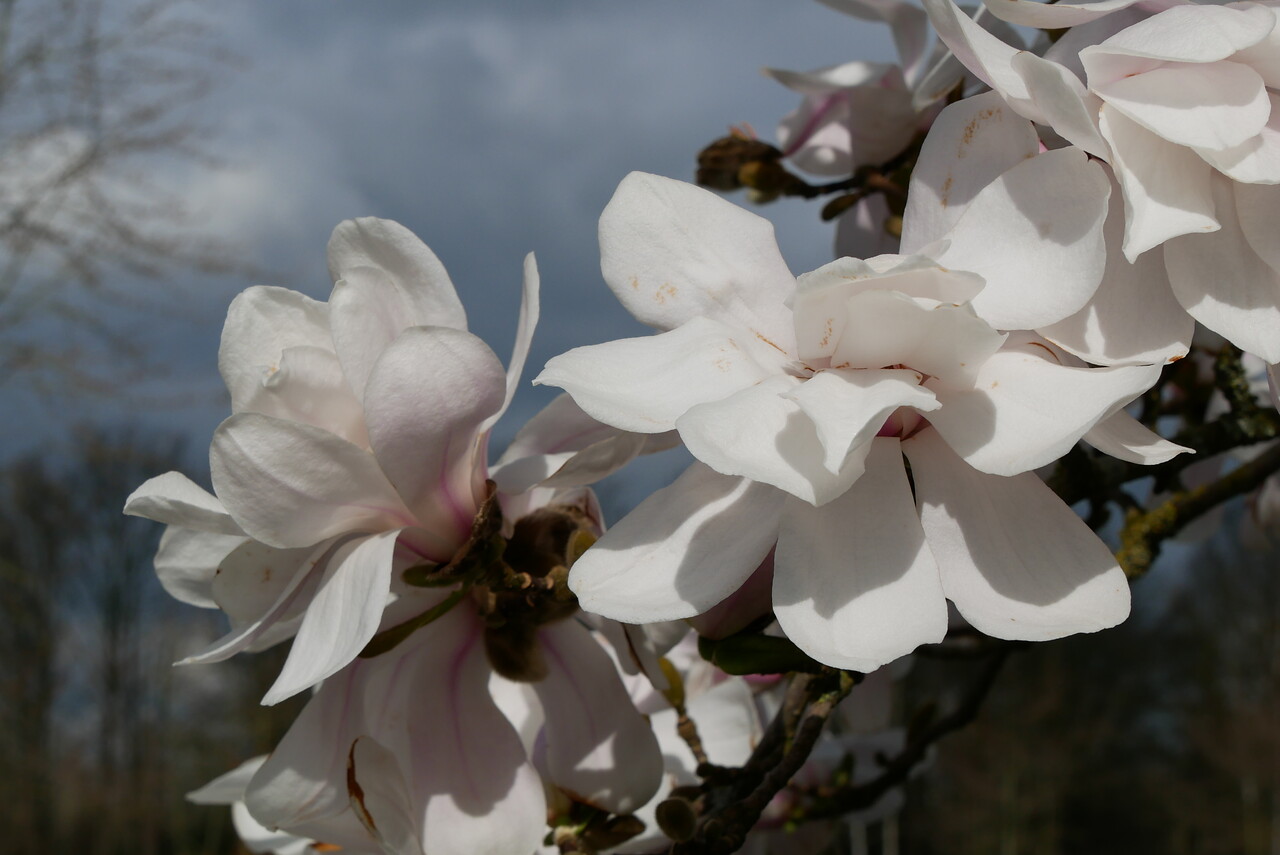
[{"x": 100, "y": 736}]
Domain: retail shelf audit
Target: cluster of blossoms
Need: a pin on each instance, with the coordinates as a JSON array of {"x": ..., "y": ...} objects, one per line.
[{"x": 866, "y": 435}]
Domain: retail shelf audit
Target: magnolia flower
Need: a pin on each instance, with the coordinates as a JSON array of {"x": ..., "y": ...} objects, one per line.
[
  {"x": 1185, "y": 122},
  {"x": 800, "y": 399},
  {"x": 409, "y": 751},
  {"x": 356, "y": 449}
]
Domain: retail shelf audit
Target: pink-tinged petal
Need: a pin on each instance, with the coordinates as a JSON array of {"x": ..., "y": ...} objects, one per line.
[
  {"x": 1026, "y": 411},
  {"x": 263, "y": 322},
  {"x": 1133, "y": 316},
  {"x": 1124, "y": 437},
  {"x": 290, "y": 484},
  {"x": 971, "y": 144},
  {"x": 279, "y": 620},
  {"x": 530, "y": 309},
  {"x": 855, "y": 585},
  {"x": 1213, "y": 106},
  {"x": 1054, "y": 16},
  {"x": 1255, "y": 161},
  {"x": 1224, "y": 284},
  {"x": 645, "y": 384},
  {"x": 673, "y": 252},
  {"x": 1066, "y": 105},
  {"x": 1191, "y": 33},
  {"x": 308, "y": 386},
  {"x": 426, "y": 404},
  {"x": 848, "y": 408},
  {"x": 684, "y": 549},
  {"x": 990, "y": 59},
  {"x": 380, "y": 797},
  {"x": 751, "y": 601},
  {"x": 174, "y": 499},
  {"x": 762, "y": 434},
  {"x": 1016, "y": 561},
  {"x": 343, "y": 614},
  {"x": 1166, "y": 186},
  {"x": 187, "y": 562},
  {"x": 467, "y": 764},
  {"x": 1035, "y": 235},
  {"x": 599, "y": 749}
]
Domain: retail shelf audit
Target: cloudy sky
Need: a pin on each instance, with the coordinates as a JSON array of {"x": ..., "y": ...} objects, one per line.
[{"x": 491, "y": 129}]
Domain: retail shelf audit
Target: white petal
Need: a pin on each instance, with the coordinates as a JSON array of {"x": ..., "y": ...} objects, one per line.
[
  {"x": 908, "y": 22},
  {"x": 174, "y": 499},
  {"x": 971, "y": 144},
  {"x": 672, "y": 252},
  {"x": 762, "y": 434},
  {"x": 1123, "y": 436},
  {"x": 1133, "y": 316},
  {"x": 982, "y": 53},
  {"x": 1255, "y": 161},
  {"x": 598, "y": 747},
  {"x": 308, "y": 386},
  {"x": 848, "y": 408},
  {"x": 380, "y": 797},
  {"x": 251, "y": 579},
  {"x": 290, "y": 484},
  {"x": 1213, "y": 106},
  {"x": 1223, "y": 283},
  {"x": 187, "y": 561},
  {"x": 469, "y": 769},
  {"x": 1026, "y": 411},
  {"x": 228, "y": 787},
  {"x": 427, "y": 400},
  {"x": 530, "y": 308},
  {"x": 1066, "y": 105},
  {"x": 855, "y": 585},
  {"x": 269, "y": 628},
  {"x": 645, "y": 384},
  {"x": 263, "y": 322},
  {"x": 1258, "y": 210},
  {"x": 1016, "y": 561},
  {"x": 1054, "y": 16},
  {"x": 1035, "y": 235},
  {"x": 1190, "y": 33},
  {"x": 342, "y": 616},
  {"x": 1166, "y": 186},
  {"x": 684, "y": 549}
]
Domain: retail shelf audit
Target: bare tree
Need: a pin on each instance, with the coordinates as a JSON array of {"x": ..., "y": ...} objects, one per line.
[{"x": 98, "y": 121}]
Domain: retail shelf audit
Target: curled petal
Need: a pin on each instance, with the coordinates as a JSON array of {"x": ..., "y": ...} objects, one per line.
[
  {"x": 530, "y": 308},
  {"x": 308, "y": 386},
  {"x": 1124, "y": 437},
  {"x": 684, "y": 549},
  {"x": 187, "y": 562},
  {"x": 262, "y": 323},
  {"x": 1016, "y": 561}
]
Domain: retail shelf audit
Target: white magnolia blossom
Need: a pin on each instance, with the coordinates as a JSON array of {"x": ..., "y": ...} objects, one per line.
[
  {"x": 1179, "y": 104},
  {"x": 799, "y": 400},
  {"x": 356, "y": 448}
]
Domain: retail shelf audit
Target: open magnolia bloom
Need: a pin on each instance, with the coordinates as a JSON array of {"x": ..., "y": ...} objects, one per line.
[
  {"x": 1179, "y": 104},
  {"x": 356, "y": 450},
  {"x": 799, "y": 400}
]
